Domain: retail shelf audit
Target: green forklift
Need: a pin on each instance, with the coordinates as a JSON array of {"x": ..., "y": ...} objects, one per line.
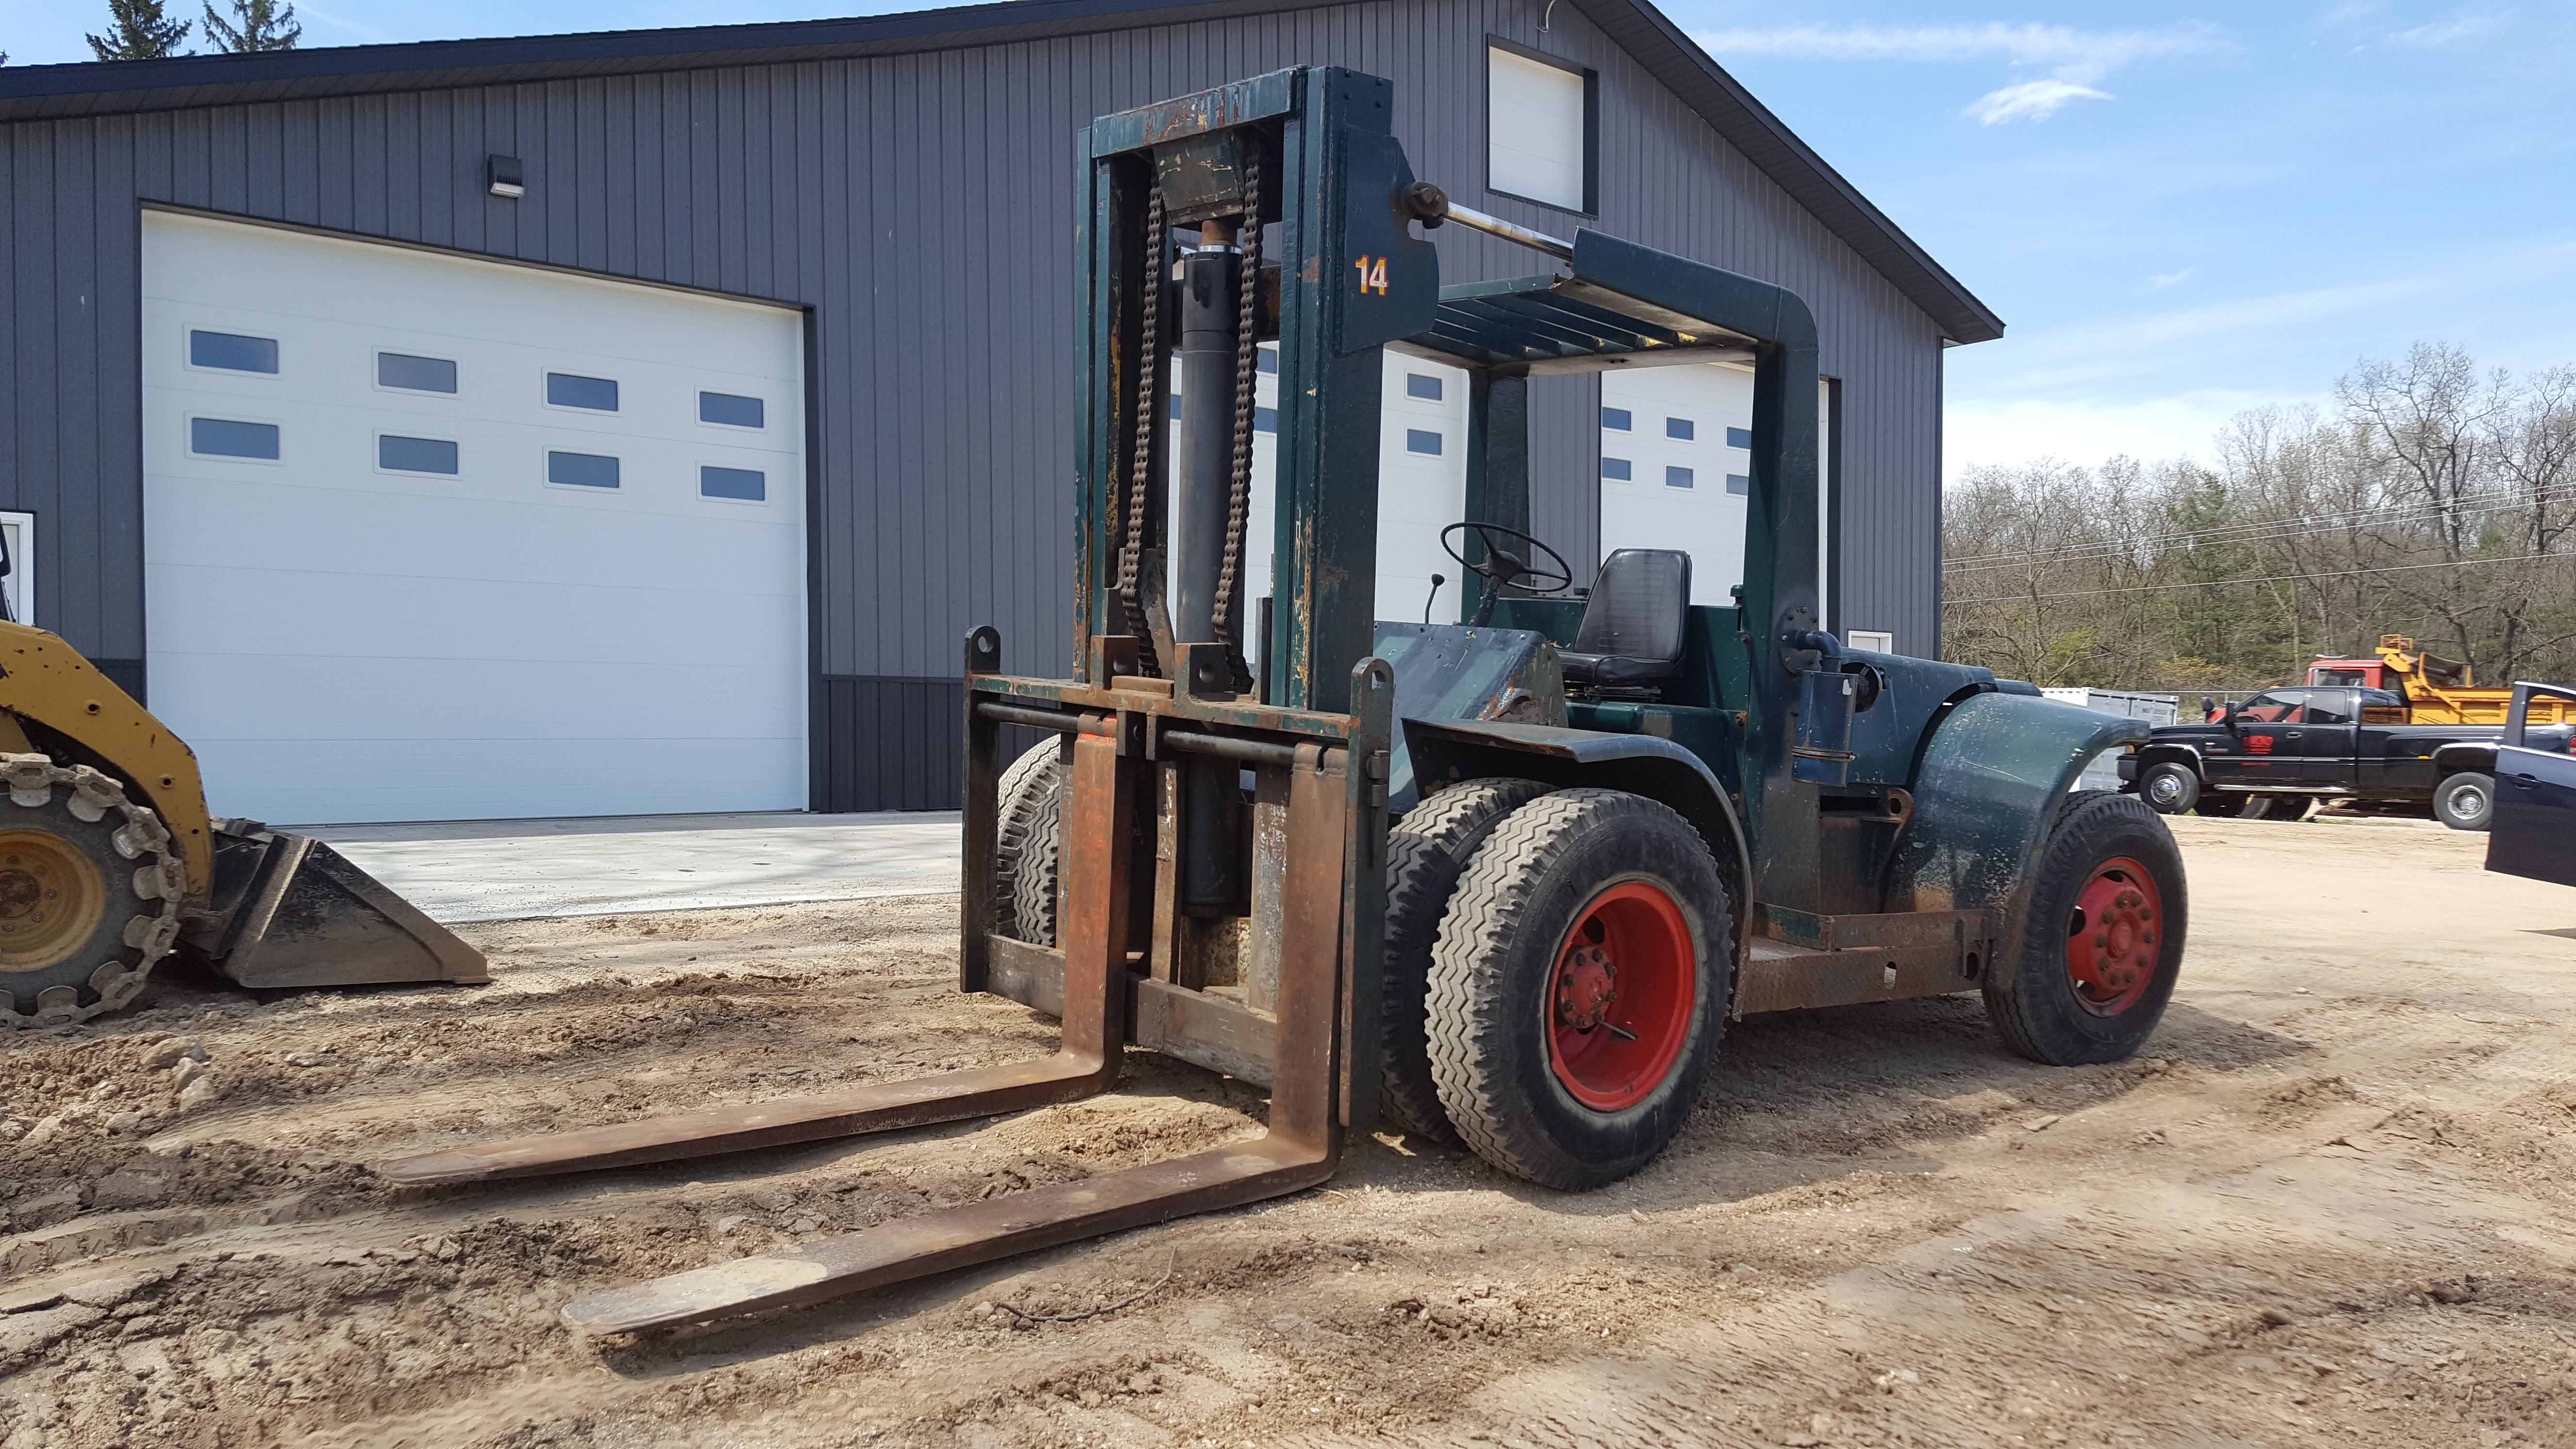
[{"x": 1500, "y": 883}]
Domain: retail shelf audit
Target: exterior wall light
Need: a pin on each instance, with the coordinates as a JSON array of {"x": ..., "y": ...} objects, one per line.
[{"x": 508, "y": 179}]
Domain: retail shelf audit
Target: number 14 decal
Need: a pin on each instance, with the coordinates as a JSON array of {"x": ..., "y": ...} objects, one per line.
[{"x": 1372, "y": 274}]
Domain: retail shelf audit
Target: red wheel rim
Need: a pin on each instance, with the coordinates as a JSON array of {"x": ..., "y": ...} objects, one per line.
[
  {"x": 1620, "y": 1001},
  {"x": 2114, "y": 936}
]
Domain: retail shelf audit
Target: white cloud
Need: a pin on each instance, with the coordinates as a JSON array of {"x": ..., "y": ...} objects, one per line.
[
  {"x": 2029, "y": 101},
  {"x": 2097, "y": 51},
  {"x": 2005, "y": 432},
  {"x": 2162, "y": 280},
  {"x": 2424, "y": 37}
]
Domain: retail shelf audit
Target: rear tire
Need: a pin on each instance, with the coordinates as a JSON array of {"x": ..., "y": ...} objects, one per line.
[
  {"x": 90, "y": 893},
  {"x": 1025, "y": 844},
  {"x": 2102, "y": 942},
  {"x": 1426, "y": 852},
  {"x": 2466, "y": 801},
  {"x": 1580, "y": 986},
  {"x": 2169, "y": 789}
]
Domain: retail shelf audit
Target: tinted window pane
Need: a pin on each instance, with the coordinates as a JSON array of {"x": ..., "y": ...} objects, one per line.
[
  {"x": 1615, "y": 419},
  {"x": 232, "y": 440},
  {"x": 236, "y": 353},
  {"x": 565, "y": 390},
  {"x": 1265, "y": 420},
  {"x": 1682, "y": 428},
  {"x": 1738, "y": 483},
  {"x": 1268, "y": 359},
  {"x": 1677, "y": 478},
  {"x": 1418, "y": 441},
  {"x": 742, "y": 483},
  {"x": 1426, "y": 388},
  {"x": 581, "y": 470},
  {"x": 416, "y": 455},
  {"x": 1739, "y": 437},
  {"x": 420, "y": 374},
  {"x": 1616, "y": 468},
  {"x": 732, "y": 411}
]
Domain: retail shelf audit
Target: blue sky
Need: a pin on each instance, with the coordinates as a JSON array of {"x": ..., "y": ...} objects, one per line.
[{"x": 2178, "y": 212}]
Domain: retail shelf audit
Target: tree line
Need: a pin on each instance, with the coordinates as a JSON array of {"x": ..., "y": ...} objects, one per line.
[
  {"x": 144, "y": 30},
  {"x": 2430, "y": 499}
]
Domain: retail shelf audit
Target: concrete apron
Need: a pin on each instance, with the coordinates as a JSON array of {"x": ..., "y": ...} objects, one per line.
[{"x": 503, "y": 870}]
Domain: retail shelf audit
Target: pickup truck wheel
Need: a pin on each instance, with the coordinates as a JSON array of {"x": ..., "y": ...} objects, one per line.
[
  {"x": 2466, "y": 801},
  {"x": 1426, "y": 852},
  {"x": 1580, "y": 986},
  {"x": 2169, "y": 789},
  {"x": 2103, "y": 941}
]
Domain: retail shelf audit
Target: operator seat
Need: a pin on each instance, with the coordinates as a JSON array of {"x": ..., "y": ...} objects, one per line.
[{"x": 1631, "y": 637}]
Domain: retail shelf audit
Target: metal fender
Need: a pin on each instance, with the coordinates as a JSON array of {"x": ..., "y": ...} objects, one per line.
[{"x": 1985, "y": 797}]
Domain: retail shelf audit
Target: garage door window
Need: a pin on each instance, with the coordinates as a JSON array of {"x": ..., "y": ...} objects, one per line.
[
  {"x": 1418, "y": 441},
  {"x": 571, "y": 390},
  {"x": 232, "y": 352},
  {"x": 1678, "y": 478},
  {"x": 730, "y": 410},
  {"x": 415, "y": 455},
  {"x": 581, "y": 470},
  {"x": 406, "y": 373},
  {"x": 741, "y": 485},
  {"x": 1739, "y": 484},
  {"x": 231, "y": 438}
]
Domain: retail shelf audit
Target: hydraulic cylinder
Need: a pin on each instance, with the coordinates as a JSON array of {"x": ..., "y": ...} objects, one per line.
[{"x": 1202, "y": 478}]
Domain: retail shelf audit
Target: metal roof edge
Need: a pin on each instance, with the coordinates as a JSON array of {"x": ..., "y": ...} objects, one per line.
[{"x": 1748, "y": 125}]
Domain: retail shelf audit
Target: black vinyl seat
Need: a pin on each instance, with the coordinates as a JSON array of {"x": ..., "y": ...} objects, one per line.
[{"x": 1631, "y": 638}]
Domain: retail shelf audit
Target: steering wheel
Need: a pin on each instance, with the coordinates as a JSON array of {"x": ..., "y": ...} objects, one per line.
[{"x": 1504, "y": 567}]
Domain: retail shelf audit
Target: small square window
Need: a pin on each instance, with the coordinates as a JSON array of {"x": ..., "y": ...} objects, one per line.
[
  {"x": 224, "y": 438},
  {"x": 415, "y": 455},
  {"x": 1682, "y": 428},
  {"x": 1618, "y": 468},
  {"x": 1425, "y": 388},
  {"x": 415, "y": 374},
  {"x": 569, "y": 390},
  {"x": 1615, "y": 419},
  {"x": 744, "y": 485},
  {"x": 1176, "y": 407},
  {"x": 581, "y": 470},
  {"x": 1265, "y": 420},
  {"x": 1678, "y": 478},
  {"x": 232, "y": 352},
  {"x": 1418, "y": 441},
  {"x": 1267, "y": 359},
  {"x": 732, "y": 410},
  {"x": 1739, "y": 484},
  {"x": 1739, "y": 437}
]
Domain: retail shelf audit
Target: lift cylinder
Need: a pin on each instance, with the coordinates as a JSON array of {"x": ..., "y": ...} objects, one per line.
[{"x": 1203, "y": 441}]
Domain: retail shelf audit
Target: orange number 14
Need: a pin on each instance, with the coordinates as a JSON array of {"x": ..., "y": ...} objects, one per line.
[{"x": 1372, "y": 274}]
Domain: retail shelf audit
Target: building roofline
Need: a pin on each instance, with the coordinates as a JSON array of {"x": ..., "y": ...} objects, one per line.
[{"x": 53, "y": 92}]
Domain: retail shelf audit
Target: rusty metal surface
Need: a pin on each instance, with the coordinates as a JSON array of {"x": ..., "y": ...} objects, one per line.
[
  {"x": 1780, "y": 977},
  {"x": 1899, "y": 928}
]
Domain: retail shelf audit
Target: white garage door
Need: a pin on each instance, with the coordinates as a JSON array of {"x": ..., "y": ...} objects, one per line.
[
  {"x": 1677, "y": 464},
  {"x": 429, "y": 538}
]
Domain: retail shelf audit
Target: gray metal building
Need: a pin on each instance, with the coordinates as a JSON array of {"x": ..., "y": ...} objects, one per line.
[{"x": 894, "y": 192}]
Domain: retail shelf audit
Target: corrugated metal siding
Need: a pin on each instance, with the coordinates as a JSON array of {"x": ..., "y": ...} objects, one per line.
[{"x": 921, "y": 205}]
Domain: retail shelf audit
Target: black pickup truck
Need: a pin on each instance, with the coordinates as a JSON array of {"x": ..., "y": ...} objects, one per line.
[{"x": 2272, "y": 754}]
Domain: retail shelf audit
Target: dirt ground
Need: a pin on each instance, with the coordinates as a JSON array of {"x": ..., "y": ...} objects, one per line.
[{"x": 2331, "y": 1204}]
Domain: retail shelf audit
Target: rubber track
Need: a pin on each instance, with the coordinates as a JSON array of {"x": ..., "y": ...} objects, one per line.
[
  {"x": 1024, "y": 844},
  {"x": 161, "y": 874},
  {"x": 1489, "y": 908},
  {"x": 1425, "y": 854}
]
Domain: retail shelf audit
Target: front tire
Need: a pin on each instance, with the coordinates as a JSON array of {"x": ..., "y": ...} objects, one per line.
[
  {"x": 2169, "y": 789},
  {"x": 2466, "y": 801},
  {"x": 1580, "y": 986},
  {"x": 90, "y": 893},
  {"x": 1029, "y": 827},
  {"x": 1426, "y": 852},
  {"x": 2102, "y": 940}
]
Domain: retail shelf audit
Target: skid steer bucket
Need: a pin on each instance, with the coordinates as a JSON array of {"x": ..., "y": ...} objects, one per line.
[{"x": 287, "y": 910}]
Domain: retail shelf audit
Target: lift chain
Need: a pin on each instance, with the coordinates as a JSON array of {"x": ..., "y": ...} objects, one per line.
[
  {"x": 1247, "y": 373},
  {"x": 1149, "y": 377},
  {"x": 160, "y": 882}
]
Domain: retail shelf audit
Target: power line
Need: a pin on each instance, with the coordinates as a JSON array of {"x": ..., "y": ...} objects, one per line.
[{"x": 2262, "y": 579}]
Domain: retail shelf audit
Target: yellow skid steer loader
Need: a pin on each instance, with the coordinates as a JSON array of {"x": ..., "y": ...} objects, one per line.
[{"x": 109, "y": 861}]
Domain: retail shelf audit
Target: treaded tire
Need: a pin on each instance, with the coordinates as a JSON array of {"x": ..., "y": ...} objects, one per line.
[
  {"x": 2174, "y": 798},
  {"x": 1494, "y": 968},
  {"x": 1025, "y": 844},
  {"x": 2034, "y": 1005},
  {"x": 90, "y": 893},
  {"x": 2466, "y": 801},
  {"x": 1426, "y": 852}
]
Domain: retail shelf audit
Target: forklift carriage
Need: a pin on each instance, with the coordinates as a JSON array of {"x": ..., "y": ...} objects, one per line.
[{"x": 1623, "y": 819}]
